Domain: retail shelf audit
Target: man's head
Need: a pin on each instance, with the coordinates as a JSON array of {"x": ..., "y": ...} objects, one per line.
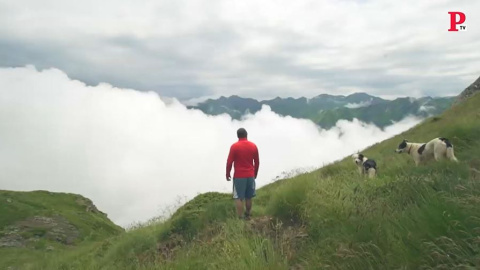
[{"x": 241, "y": 133}]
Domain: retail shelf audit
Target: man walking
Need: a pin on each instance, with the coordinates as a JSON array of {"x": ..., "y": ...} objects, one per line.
[{"x": 244, "y": 156}]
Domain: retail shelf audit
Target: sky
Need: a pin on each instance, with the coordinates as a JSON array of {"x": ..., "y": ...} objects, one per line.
[
  {"x": 136, "y": 156},
  {"x": 191, "y": 49}
]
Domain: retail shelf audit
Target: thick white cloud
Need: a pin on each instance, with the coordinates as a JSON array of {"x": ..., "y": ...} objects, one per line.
[
  {"x": 358, "y": 105},
  {"x": 261, "y": 49},
  {"x": 133, "y": 155}
]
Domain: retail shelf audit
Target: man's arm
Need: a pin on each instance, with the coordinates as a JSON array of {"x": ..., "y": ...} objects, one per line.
[
  {"x": 256, "y": 159},
  {"x": 229, "y": 162}
]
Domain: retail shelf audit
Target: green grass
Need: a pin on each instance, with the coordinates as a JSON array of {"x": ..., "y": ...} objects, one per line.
[{"x": 409, "y": 217}]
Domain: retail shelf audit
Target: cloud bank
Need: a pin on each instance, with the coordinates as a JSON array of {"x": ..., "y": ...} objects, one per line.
[{"x": 133, "y": 154}]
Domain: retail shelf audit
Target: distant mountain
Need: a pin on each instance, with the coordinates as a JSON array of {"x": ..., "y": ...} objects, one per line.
[
  {"x": 235, "y": 106},
  {"x": 325, "y": 110}
]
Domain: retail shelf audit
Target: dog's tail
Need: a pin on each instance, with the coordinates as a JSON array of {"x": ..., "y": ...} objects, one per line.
[{"x": 450, "y": 154}]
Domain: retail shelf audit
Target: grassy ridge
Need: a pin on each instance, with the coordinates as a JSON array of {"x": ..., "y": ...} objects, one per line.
[
  {"x": 17, "y": 210},
  {"x": 73, "y": 207},
  {"x": 408, "y": 218}
]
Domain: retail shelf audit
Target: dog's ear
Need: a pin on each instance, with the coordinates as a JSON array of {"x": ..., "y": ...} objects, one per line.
[{"x": 405, "y": 140}]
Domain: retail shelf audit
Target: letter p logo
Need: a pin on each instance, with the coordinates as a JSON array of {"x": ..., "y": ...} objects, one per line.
[{"x": 454, "y": 22}]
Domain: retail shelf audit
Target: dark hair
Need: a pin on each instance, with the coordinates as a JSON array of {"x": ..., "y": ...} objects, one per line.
[{"x": 241, "y": 133}]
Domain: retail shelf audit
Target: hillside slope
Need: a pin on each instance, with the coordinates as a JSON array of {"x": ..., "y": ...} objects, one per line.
[
  {"x": 471, "y": 90},
  {"x": 32, "y": 223},
  {"x": 409, "y": 217}
]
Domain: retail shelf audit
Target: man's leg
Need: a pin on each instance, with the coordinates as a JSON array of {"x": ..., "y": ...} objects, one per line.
[
  {"x": 249, "y": 194},
  {"x": 239, "y": 205},
  {"x": 248, "y": 205},
  {"x": 239, "y": 188}
]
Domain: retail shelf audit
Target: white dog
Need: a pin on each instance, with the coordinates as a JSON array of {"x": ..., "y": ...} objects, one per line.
[
  {"x": 365, "y": 165},
  {"x": 437, "y": 149}
]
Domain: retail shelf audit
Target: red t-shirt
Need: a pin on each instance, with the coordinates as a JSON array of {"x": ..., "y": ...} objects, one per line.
[{"x": 244, "y": 156}]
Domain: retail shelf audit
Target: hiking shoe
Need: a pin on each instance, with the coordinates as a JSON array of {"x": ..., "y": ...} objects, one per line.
[{"x": 247, "y": 216}]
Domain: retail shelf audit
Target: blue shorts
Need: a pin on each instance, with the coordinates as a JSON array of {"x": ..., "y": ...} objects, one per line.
[{"x": 243, "y": 188}]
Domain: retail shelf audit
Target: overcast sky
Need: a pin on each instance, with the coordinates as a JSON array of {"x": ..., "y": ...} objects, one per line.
[
  {"x": 134, "y": 155},
  {"x": 259, "y": 49}
]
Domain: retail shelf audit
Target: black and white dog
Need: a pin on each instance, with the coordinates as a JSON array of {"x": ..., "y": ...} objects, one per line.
[
  {"x": 365, "y": 165},
  {"x": 438, "y": 148}
]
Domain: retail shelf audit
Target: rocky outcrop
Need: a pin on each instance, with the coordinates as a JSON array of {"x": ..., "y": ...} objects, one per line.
[
  {"x": 55, "y": 228},
  {"x": 12, "y": 239},
  {"x": 89, "y": 206},
  {"x": 473, "y": 89}
]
